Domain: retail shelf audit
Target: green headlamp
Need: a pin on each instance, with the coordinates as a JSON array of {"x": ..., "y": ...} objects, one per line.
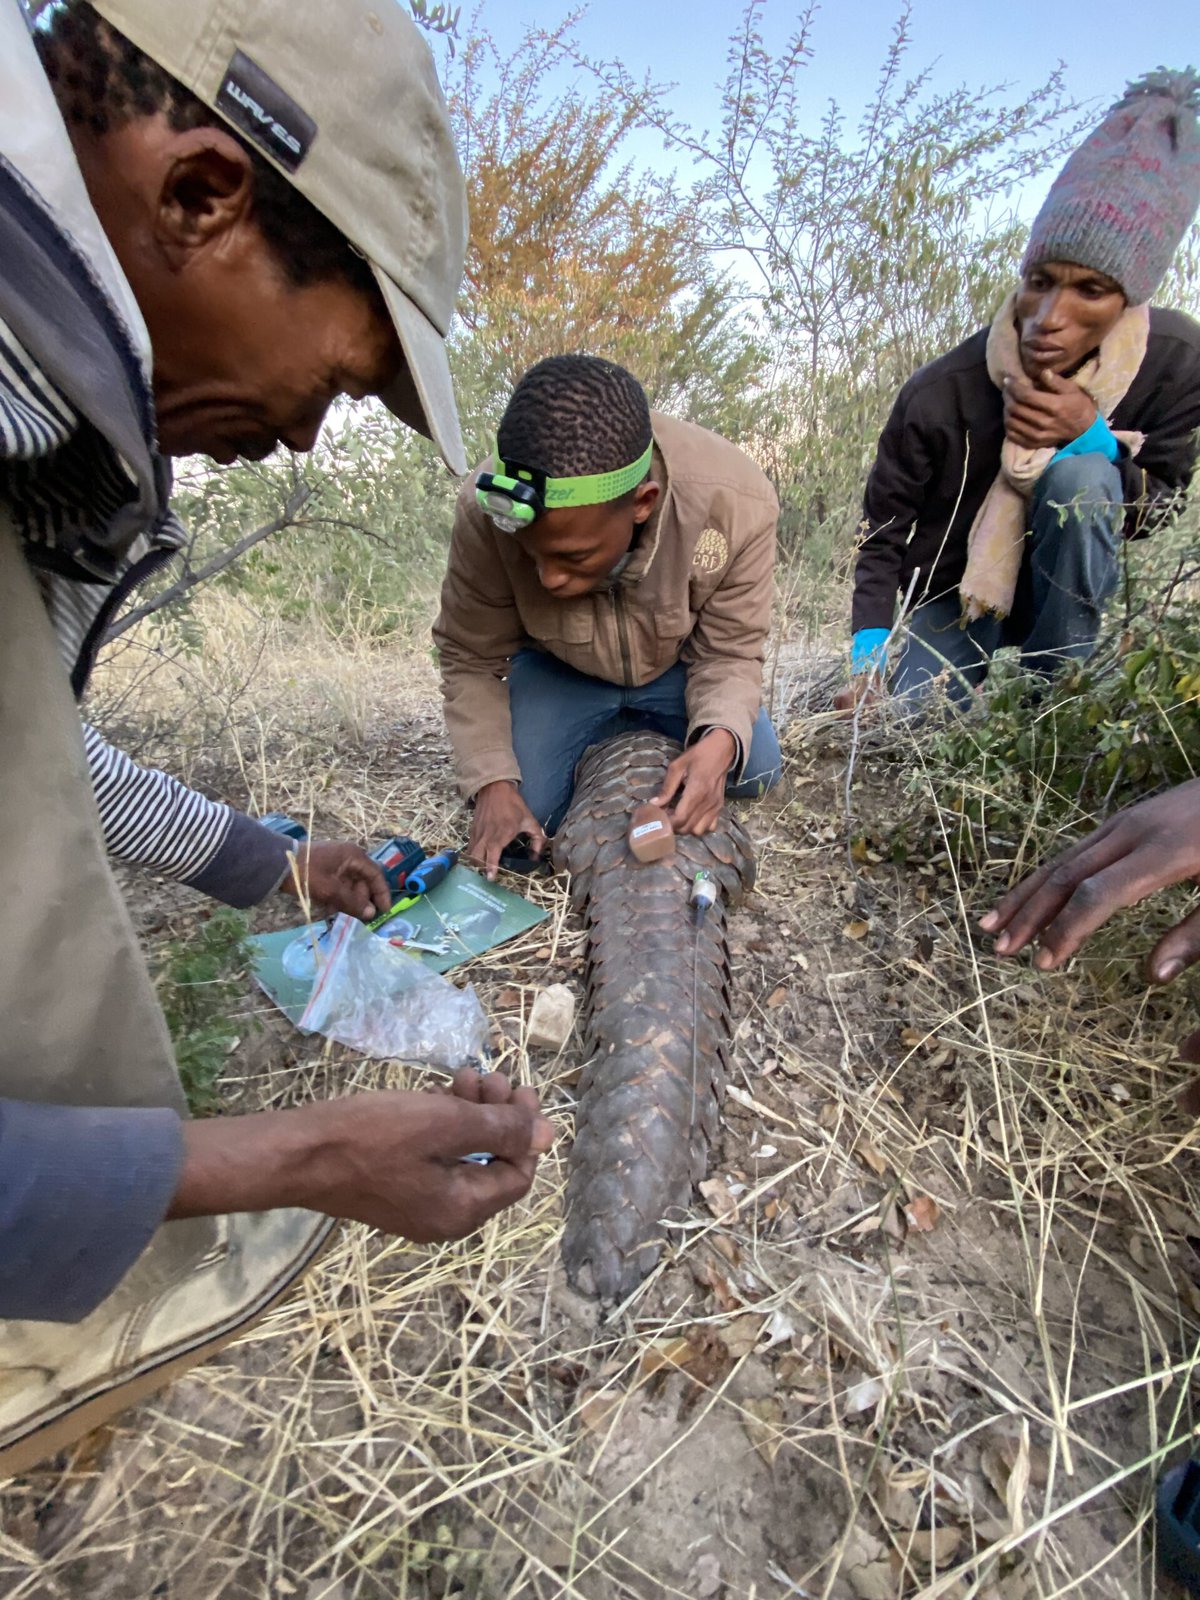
[{"x": 514, "y": 496}]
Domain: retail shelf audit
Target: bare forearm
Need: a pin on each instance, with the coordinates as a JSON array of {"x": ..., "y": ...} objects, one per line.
[
  {"x": 391, "y": 1159},
  {"x": 254, "y": 1163}
]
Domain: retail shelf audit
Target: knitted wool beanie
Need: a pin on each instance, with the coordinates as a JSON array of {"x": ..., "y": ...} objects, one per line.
[{"x": 1125, "y": 198}]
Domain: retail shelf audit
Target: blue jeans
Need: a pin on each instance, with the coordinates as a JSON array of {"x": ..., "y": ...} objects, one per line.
[
  {"x": 1067, "y": 573},
  {"x": 557, "y": 712}
]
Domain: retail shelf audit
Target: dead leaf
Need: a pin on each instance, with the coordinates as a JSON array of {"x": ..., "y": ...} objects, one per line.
[
  {"x": 868, "y": 1154},
  {"x": 829, "y": 1115},
  {"x": 865, "y": 1225},
  {"x": 900, "y": 1507},
  {"x": 994, "y": 1470},
  {"x": 726, "y": 1297},
  {"x": 719, "y": 1200},
  {"x": 988, "y": 1530},
  {"x": 707, "y": 1363},
  {"x": 664, "y": 1353},
  {"x": 865, "y": 1568},
  {"x": 799, "y": 959},
  {"x": 724, "y": 1245},
  {"x": 1011, "y": 1446},
  {"x": 858, "y": 928},
  {"x": 741, "y": 1335},
  {"x": 598, "y": 1409},
  {"x": 794, "y": 1372},
  {"x": 935, "y": 1546},
  {"x": 873, "y": 1581},
  {"x": 910, "y": 1038},
  {"x": 507, "y": 1000},
  {"x": 944, "y": 1056},
  {"x": 892, "y": 1222},
  {"x": 922, "y": 1213},
  {"x": 1018, "y": 1481},
  {"x": 763, "y": 1422},
  {"x": 776, "y": 998}
]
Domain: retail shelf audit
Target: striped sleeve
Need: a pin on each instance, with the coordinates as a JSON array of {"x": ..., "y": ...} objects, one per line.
[
  {"x": 35, "y": 420},
  {"x": 155, "y": 821},
  {"x": 151, "y": 818}
]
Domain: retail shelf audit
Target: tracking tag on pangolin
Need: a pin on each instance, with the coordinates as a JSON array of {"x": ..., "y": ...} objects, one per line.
[{"x": 651, "y": 837}]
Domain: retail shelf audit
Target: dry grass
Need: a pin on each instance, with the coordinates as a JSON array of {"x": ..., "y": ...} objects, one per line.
[{"x": 818, "y": 1397}]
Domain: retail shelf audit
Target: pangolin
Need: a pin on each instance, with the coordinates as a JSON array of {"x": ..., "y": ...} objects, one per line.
[{"x": 657, "y": 1015}]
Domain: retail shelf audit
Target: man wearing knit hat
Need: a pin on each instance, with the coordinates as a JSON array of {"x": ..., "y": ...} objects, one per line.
[{"x": 1010, "y": 467}]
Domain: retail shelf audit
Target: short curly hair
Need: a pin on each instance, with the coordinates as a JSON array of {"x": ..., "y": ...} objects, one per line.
[
  {"x": 103, "y": 82},
  {"x": 571, "y": 416}
]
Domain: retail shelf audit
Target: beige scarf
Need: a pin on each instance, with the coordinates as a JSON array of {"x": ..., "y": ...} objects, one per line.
[{"x": 996, "y": 542}]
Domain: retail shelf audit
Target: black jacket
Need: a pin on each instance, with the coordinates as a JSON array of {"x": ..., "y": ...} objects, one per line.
[{"x": 940, "y": 453}]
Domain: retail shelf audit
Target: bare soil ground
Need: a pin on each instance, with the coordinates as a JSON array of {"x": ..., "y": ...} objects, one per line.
[{"x": 933, "y": 1336}]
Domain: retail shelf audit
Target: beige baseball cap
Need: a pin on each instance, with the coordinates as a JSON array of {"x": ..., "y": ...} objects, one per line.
[{"x": 342, "y": 97}]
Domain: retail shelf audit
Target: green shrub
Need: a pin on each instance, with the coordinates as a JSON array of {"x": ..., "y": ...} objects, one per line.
[
  {"x": 200, "y": 980},
  {"x": 1032, "y": 761}
]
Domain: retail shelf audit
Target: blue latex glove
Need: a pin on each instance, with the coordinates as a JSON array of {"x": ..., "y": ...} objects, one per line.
[
  {"x": 1099, "y": 439},
  {"x": 867, "y": 650}
]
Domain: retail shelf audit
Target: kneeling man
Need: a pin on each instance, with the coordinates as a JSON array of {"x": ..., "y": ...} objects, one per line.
[{"x": 610, "y": 569}]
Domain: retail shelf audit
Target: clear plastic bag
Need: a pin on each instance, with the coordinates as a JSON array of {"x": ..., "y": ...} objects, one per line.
[{"x": 381, "y": 1000}]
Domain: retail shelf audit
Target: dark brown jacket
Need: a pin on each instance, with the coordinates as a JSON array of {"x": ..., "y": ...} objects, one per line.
[{"x": 940, "y": 453}]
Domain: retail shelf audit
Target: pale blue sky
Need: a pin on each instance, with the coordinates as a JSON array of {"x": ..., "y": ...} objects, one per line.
[{"x": 1102, "y": 42}]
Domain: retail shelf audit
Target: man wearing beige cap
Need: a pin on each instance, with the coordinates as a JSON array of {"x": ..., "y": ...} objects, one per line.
[{"x": 214, "y": 220}]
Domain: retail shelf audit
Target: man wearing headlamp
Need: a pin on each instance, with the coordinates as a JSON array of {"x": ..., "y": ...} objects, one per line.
[{"x": 610, "y": 568}]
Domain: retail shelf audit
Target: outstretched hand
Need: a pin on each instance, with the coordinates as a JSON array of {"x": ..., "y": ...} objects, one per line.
[
  {"x": 1139, "y": 850},
  {"x": 392, "y": 1159}
]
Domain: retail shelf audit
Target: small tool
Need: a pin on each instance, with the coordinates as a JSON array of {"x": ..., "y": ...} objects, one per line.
[
  {"x": 442, "y": 948},
  {"x": 703, "y": 895},
  {"x": 479, "y": 1158},
  {"x": 427, "y": 876},
  {"x": 431, "y": 872},
  {"x": 398, "y": 858}
]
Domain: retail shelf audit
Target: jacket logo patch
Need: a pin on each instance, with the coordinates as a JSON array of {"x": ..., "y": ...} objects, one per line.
[{"x": 712, "y": 551}]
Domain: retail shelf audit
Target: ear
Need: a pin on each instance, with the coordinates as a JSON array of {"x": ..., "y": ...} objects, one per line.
[
  {"x": 645, "y": 498},
  {"x": 206, "y": 193}
]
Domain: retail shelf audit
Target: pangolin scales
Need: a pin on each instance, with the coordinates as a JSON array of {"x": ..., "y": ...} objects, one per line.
[{"x": 648, "y": 1102}]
